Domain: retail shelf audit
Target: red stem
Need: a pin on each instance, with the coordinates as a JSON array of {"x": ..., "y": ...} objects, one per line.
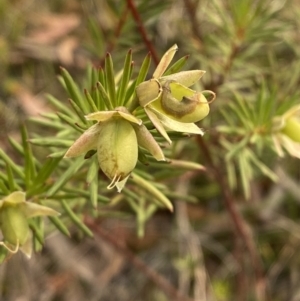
[{"x": 143, "y": 32}]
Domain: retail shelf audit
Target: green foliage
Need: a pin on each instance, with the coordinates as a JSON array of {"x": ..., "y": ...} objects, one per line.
[{"x": 243, "y": 165}]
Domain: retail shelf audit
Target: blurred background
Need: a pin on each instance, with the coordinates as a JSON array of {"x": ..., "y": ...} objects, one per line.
[{"x": 238, "y": 238}]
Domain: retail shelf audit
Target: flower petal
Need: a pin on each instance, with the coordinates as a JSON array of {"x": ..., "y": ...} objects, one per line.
[
  {"x": 179, "y": 91},
  {"x": 277, "y": 145},
  {"x": 295, "y": 110},
  {"x": 178, "y": 126},
  {"x": 292, "y": 147},
  {"x": 156, "y": 122},
  {"x": 278, "y": 123},
  {"x": 26, "y": 248},
  {"x": 165, "y": 62},
  {"x": 15, "y": 197},
  {"x": 130, "y": 118},
  {"x": 100, "y": 115},
  {"x": 87, "y": 141},
  {"x": 186, "y": 78},
  {"x": 146, "y": 140},
  {"x": 32, "y": 209},
  {"x": 148, "y": 92},
  {"x": 120, "y": 185}
]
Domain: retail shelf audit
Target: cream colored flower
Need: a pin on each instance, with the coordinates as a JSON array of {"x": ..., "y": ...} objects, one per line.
[
  {"x": 168, "y": 101},
  {"x": 14, "y": 215},
  {"x": 286, "y": 132},
  {"x": 116, "y": 137}
]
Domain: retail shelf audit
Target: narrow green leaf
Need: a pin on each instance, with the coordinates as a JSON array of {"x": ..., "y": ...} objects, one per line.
[
  {"x": 59, "y": 154},
  {"x": 90, "y": 100},
  {"x": 262, "y": 167},
  {"x": 76, "y": 220},
  {"x": 37, "y": 231},
  {"x": 177, "y": 66},
  {"x": 29, "y": 166},
  {"x": 93, "y": 171},
  {"x": 49, "y": 141},
  {"x": 54, "y": 124},
  {"x": 235, "y": 148},
  {"x": 160, "y": 197},
  {"x": 245, "y": 173},
  {"x": 4, "y": 190},
  {"x": 58, "y": 104},
  {"x": 46, "y": 170},
  {"x": 16, "y": 146},
  {"x": 127, "y": 70},
  {"x": 78, "y": 111},
  {"x": 73, "y": 90},
  {"x": 143, "y": 70},
  {"x": 231, "y": 175},
  {"x": 140, "y": 78},
  {"x": 13, "y": 166},
  {"x": 59, "y": 225},
  {"x": 10, "y": 178},
  {"x": 131, "y": 97},
  {"x": 93, "y": 189},
  {"x": 97, "y": 37},
  {"x": 73, "y": 168},
  {"x": 110, "y": 80},
  {"x": 104, "y": 96},
  {"x": 101, "y": 77},
  {"x": 70, "y": 122}
]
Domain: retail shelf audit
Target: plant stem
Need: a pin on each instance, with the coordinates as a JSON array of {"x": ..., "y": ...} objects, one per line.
[
  {"x": 241, "y": 227},
  {"x": 136, "y": 16},
  {"x": 155, "y": 277}
]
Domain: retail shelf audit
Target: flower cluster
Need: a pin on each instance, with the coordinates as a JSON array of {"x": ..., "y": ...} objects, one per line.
[{"x": 118, "y": 134}]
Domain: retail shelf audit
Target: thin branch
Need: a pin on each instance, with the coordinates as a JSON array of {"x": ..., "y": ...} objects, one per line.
[
  {"x": 151, "y": 274},
  {"x": 241, "y": 228},
  {"x": 136, "y": 16},
  {"x": 191, "y": 8}
]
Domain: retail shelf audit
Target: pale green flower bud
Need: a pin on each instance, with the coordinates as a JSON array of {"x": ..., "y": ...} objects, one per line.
[
  {"x": 286, "y": 132},
  {"x": 14, "y": 225},
  {"x": 116, "y": 136},
  {"x": 14, "y": 215},
  {"x": 292, "y": 128},
  {"x": 117, "y": 149}
]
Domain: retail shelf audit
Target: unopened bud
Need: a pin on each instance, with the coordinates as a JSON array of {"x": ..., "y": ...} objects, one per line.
[
  {"x": 14, "y": 225},
  {"x": 292, "y": 128},
  {"x": 117, "y": 149}
]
